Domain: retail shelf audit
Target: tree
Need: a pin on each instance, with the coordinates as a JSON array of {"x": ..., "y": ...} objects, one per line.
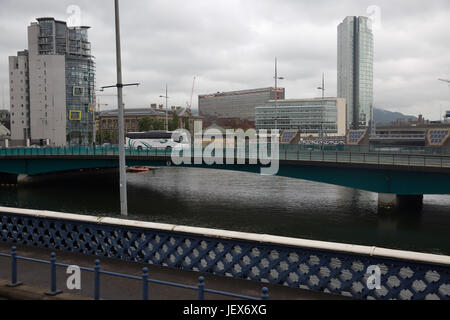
[
  {"x": 148, "y": 124},
  {"x": 107, "y": 137},
  {"x": 186, "y": 124},
  {"x": 145, "y": 124},
  {"x": 174, "y": 123},
  {"x": 158, "y": 125},
  {"x": 98, "y": 137}
]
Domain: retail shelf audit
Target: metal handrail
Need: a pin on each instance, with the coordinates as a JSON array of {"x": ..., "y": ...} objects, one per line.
[{"x": 200, "y": 288}]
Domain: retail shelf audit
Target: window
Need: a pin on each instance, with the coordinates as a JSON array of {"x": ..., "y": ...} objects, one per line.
[
  {"x": 75, "y": 115},
  {"x": 78, "y": 91}
]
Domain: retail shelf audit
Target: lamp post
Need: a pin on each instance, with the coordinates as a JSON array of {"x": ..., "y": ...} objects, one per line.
[
  {"x": 276, "y": 92},
  {"x": 323, "y": 109},
  {"x": 119, "y": 86},
  {"x": 167, "y": 102}
]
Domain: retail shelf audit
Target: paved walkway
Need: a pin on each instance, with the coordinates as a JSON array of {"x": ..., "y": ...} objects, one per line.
[{"x": 112, "y": 288}]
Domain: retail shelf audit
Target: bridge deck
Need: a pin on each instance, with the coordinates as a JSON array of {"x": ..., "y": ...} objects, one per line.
[
  {"x": 401, "y": 159},
  {"x": 395, "y": 173}
]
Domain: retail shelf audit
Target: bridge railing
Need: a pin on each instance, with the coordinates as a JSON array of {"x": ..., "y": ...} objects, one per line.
[
  {"x": 285, "y": 153},
  {"x": 328, "y": 267},
  {"x": 97, "y": 271}
]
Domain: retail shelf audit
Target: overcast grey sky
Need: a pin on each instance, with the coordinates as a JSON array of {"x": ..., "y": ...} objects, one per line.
[{"x": 231, "y": 45}]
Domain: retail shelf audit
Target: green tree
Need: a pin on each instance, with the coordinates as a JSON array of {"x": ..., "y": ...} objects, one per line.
[
  {"x": 174, "y": 123},
  {"x": 148, "y": 124},
  {"x": 107, "y": 137},
  {"x": 186, "y": 124},
  {"x": 158, "y": 125},
  {"x": 98, "y": 137},
  {"x": 145, "y": 124}
]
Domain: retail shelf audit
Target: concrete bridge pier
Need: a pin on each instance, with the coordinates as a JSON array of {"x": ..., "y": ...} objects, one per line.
[{"x": 393, "y": 202}]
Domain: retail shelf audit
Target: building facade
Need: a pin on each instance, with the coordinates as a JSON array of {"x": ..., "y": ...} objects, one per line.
[
  {"x": 313, "y": 117},
  {"x": 236, "y": 104},
  {"x": 52, "y": 85},
  {"x": 355, "y": 70},
  {"x": 108, "y": 120},
  {"x": 5, "y": 118}
]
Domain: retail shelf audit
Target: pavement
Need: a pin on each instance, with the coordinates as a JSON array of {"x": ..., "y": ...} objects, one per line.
[{"x": 36, "y": 281}]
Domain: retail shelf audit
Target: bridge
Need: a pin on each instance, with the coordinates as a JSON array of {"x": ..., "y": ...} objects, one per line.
[{"x": 400, "y": 178}]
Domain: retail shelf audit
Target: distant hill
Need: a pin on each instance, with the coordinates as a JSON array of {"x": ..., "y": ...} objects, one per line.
[{"x": 385, "y": 117}]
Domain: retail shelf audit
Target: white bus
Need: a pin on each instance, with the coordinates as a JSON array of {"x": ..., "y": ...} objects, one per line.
[{"x": 155, "y": 140}]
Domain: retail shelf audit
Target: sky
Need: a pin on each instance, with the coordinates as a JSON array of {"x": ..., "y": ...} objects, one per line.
[{"x": 231, "y": 45}]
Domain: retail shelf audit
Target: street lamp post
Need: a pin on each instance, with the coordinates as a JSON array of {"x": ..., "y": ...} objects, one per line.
[
  {"x": 322, "y": 136},
  {"x": 167, "y": 106},
  {"x": 119, "y": 86},
  {"x": 123, "y": 174},
  {"x": 276, "y": 93}
]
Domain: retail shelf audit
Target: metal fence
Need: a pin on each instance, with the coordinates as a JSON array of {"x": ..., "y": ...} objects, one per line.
[
  {"x": 97, "y": 271},
  {"x": 319, "y": 266}
]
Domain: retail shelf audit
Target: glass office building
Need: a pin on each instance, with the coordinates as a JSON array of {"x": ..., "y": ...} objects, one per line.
[
  {"x": 311, "y": 116},
  {"x": 60, "y": 85},
  {"x": 355, "y": 70},
  {"x": 237, "y": 104}
]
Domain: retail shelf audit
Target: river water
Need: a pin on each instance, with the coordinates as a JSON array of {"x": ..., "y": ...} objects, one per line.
[{"x": 247, "y": 202}]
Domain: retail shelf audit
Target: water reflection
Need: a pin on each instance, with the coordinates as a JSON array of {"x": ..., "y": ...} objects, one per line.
[{"x": 244, "y": 202}]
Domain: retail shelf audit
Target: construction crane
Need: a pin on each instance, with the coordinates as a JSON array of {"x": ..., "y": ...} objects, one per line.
[
  {"x": 192, "y": 94},
  {"x": 99, "y": 105},
  {"x": 104, "y": 104}
]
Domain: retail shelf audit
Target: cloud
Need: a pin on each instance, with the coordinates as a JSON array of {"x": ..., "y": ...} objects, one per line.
[{"x": 231, "y": 45}]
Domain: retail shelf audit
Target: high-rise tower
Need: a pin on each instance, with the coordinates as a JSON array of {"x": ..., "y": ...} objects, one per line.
[
  {"x": 355, "y": 70},
  {"x": 53, "y": 85}
]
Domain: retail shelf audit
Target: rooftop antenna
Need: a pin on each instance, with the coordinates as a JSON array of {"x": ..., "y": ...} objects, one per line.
[{"x": 323, "y": 86}]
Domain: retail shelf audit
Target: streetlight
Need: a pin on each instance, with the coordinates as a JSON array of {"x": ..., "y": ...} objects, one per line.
[
  {"x": 167, "y": 102},
  {"x": 119, "y": 86},
  {"x": 323, "y": 109},
  {"x": 276, "y": 92}
]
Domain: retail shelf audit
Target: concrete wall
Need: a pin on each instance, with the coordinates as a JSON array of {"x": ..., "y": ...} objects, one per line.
[
  {"x": 341, "y": 105},
  {"x": 47, "y": 93},
  {"x": 19, "y": 96}
]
